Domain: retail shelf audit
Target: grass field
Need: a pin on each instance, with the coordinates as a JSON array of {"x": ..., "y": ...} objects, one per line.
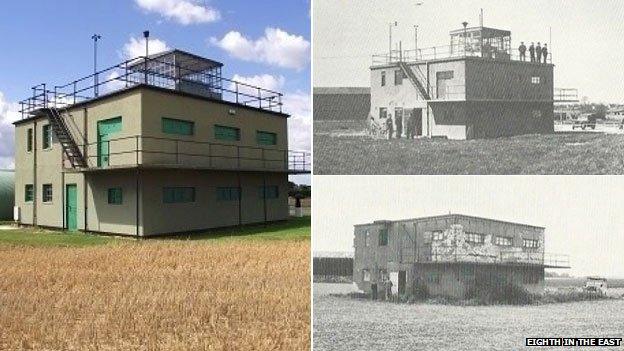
[
  {"x": 234, "y": 290},
  {"x": 342, "y": 147},
  {"x": 349, "y": 324}
]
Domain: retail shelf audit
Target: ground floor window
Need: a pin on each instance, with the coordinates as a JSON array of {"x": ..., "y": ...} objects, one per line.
[
  {"x": 228, "y": 193},
  {"x": 383, "y": 112},
  {"x": 47, "y": 193},
  {"x": 503, "y": 241},
  {"x": 178, "y": 194},
  {"x": 475, "y": 238},
  {"x": 269, "y": 192},
  {"x": 115, "y": 196},
  {"x": 366, "y": 275},
  {"x": 29, "y": 192},
  {"x": 438, "y": 235}
]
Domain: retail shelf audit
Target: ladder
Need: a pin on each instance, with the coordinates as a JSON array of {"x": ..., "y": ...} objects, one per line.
[
  {"x": 416, "y": 81},
  {"x": 64, "y": 137}
]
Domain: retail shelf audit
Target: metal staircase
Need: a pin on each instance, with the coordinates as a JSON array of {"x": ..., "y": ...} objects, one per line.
[
  {"x": 416, "y": 81},
  {"x": 70, "y": 148}
]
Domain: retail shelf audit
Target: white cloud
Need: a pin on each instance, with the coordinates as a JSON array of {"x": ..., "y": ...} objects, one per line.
[
  {"x": 182, "y": 11},
  {"x": 265, "y": 81},
  {"x": 298, "y": 105},
  {"x": 113, "y": 82},
  {"x": 276, "y": 47},
  {"x": 9, "y": 113},
  {"x": 135, "y": 47}
]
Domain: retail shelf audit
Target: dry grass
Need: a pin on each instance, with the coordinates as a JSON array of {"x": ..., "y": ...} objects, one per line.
[{"x": 228, "y": 295}]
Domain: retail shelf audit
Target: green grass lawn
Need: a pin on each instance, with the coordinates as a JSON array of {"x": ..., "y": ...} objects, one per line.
[
  {"x": 341, "y": 148},
  {"x": 293, "y": 229}
]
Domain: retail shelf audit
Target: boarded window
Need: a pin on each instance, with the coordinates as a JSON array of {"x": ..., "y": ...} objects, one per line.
[
  {"x": 29, "y": 139},
  {"x": 177, "y": 126},
  {"x": 383, "y": 78},
  {"x": 530, "y": 243},
  {"x": 178, "y": 194},
  {"x": 29, "y": 192},
  {"x": 444, "y": 75},
  {"x": 266, "y": 138},
  {"x": 226, "y": 133},
  {"x": 269, "y": 192},
  {"x": 228, "y": 193},
  {"x": 503, "y": 241},
  {"x": 398, "y": 77},
  {"x": 47, "y": 193},
  {"x": 383, "y": 112},
  {"x": 475, "y": 238},
  {"x": 115, "y": 196},
  {"x": 383, "y": 237},
  {"x": 47, "y": 136}
]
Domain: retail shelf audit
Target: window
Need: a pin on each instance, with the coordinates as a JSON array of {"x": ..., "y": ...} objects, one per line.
[
  {"x": 29, "y": 192},
  {"x": 433, "y": 278},
  {"x": 444, "y": 75},
  {"x": 438, "y": 235},
  {"x": 383, "y": 275},
  {"x": 398, "y": 77},
  {"x": 47, "y": 193},
  {"x": 178, "y": 195},
  {"x": 366, "y": 275},
  {"x": 383, "y": 237},
  {"x": 266, "y": 138},
  {"x": 115, "y": 196},
  {"x": 367, "y": 238},
  {"x": 177, "y": 126},
  {"x": 383, "y": 78},
  {"x": 475, "y": 238},
  {"x": 47, "y": 136},
  {"x": 530, "y": 243},
  {"x": 228, "y": 193},
  {"x": 383, "y": 112},
  {"x": 226, "y": 133},
  {"x": 535, "y": 80},
  {"x": 29, "y": 139},
  {"x": 269, "y": 192},
  {"x": 503, "y": 241}
]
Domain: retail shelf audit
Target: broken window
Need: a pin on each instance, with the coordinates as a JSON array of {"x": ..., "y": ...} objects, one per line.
[
  {"x": 530, "y": 243},
  {"x": 383, "y": 112},
  {"x": 438, "y": 235},
  {"x": 475, "y": 238},
  {"x": 366, "y": 275},
  {"x": 383, "y": 237},
  {"x": 503, "y": 241},
  {"x": 383, "y": 78}
]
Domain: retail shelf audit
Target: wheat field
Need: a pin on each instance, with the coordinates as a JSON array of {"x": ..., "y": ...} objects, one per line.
[{"x": 232, "y": 295}]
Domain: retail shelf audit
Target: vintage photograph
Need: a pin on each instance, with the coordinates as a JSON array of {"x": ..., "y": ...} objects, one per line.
[
  {"x": 465, "y": 263},
  {"x": 470, "y": 87}
]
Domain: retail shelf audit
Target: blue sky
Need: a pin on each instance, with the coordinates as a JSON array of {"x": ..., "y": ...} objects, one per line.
[{"x": 50, "y": 41}]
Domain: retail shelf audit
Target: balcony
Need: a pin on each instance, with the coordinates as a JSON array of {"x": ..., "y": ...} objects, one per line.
[{"x": 155, "y": 152}]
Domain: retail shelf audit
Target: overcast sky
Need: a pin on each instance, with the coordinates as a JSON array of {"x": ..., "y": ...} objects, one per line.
[
  {"x": 586, "y": 43},
  {"x": 583, "y": 215}
]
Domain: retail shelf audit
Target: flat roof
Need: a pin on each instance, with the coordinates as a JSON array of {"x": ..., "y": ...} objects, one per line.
[{"x": 447, "y": 216}]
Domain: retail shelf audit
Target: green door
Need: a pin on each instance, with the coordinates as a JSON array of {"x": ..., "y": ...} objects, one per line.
[
  {"x": 71, "y": 207},
  {"x": 105, "y": 129}
]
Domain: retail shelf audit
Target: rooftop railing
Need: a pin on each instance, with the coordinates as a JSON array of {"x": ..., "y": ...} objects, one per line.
[
  {"x": 153, "y": 72},
  {"x": 448, "y": 51}
]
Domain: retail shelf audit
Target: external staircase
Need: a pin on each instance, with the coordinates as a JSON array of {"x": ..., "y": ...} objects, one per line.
[
  {"x": 70, "y": 148},
  {"x": 417, "y": 79}
]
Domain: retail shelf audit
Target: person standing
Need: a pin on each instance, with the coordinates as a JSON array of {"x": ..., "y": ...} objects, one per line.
[
  {"x": 522, "y": 49},
  {"x": 532, "y": 52},
  {"x": 389, "y": 126},
  {"x": 399, "y": 125},
  {"x": 538, "y": 52},
  {"x": 545, "y": 53}
]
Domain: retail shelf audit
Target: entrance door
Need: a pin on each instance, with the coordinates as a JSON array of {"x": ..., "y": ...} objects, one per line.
[
  {"x": 105, "y": 129},
  {"x": 417, "y": 117},
  {"x": 402, "y": 279},
  {"x": 71, "y": 207},
  {"x": 374, "y": 291}
]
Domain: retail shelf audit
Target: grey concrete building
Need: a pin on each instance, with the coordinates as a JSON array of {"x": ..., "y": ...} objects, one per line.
[
  {"x": 449, "y": 254},
  {"x": 476, "y": 87},
  {"x": 154, "y": 145}
]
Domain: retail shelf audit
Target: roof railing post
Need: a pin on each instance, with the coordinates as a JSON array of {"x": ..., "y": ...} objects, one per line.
[
  {"x": 126, "y": 74},
  {"x": 236, "y": 84},
  {"x": 145, "y": 71},
  {"x": 279, "y": 96},
  {"x": 259, "y": 98},
  {"x": 45, "y": 96},
  {"x": 74, "y": 94}
]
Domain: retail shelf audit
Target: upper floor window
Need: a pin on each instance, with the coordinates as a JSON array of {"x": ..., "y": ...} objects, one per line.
[
  {"x": 228, "y": 193},
  {"x": 226, "y": 133},
  {"x": 269, "y": 192},
  {"x": 266, "y": 138},
  {"x": 177, "y": 126},
  {"x": 437, "y": 235},
  {"x": 47, "y": 136},
  {"x": 178, "y": 194},
  {"x": 383, "y": 112},
  {"x": 29, "y": 192},
  {"x": 535, "y": 80},
  {"x": 29, "y": 139},
  {"x": 367, "y": 238},
  {"x": 445, "y": 75},
  {"x": 475, "y": 238},
  {"x": 530, "y": 243},
  {"x": 383, "y": 237},
  {"x": 503, "y": 241},
  {"x": 115, "y": 196},
  {"x": 398, "y": 77},
  {"x": 47, "y": 193},
  {"x": 383, "y": 78}
]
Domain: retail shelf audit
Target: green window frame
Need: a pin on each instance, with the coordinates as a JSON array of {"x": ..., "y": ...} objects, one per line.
[
  {"x": 266, "y": 138},
  {"x": 29, "y": 139},
  {"x": 383, "y": 237},
  {"x": 228, "y": 193},
  {"x": 172, "y": 195},
  {"x": 226, "y": 133},
  {"x": 177, "y": 126},
  {"x": 46, "y": 193},
  {"x": 269, "y": 192},
  {"x": 47, "y": 136},
  {"x": 29, "y": 192},
  {"x": 115, "y": 196}
]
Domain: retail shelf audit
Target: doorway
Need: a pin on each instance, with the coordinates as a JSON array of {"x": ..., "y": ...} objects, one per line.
[
  {"x": 417, "y": 120},
  {"x": 105, "y": 129},
  {"x": 402, "y": 280},
  {"x": 71, "y": 207}
]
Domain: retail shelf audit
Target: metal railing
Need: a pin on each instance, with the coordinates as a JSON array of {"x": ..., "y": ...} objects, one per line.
[
  {"x": 154, "y": 72},
  {"x": 451, "y": 51},
  {"x": 131, "y": 151},
  {"x": 565, "y": 95}
]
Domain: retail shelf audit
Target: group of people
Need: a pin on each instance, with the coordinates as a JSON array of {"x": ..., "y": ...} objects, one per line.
[
  {"x": 410, "y": 126},
  {"x": 536, "y": 52}
]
